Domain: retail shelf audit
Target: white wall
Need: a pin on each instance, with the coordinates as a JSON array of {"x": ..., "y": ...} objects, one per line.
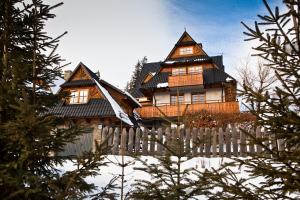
[
  {"x": 161, "y": 98},
  {"x": 214, "y": 95},
  {"x": 187, "y": 98}
]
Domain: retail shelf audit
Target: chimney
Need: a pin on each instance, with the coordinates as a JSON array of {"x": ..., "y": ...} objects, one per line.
[{"x": 67, "y": 74}]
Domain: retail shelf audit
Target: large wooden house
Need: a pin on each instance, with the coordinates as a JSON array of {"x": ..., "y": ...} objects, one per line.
[{"x": 188, "y": 80}]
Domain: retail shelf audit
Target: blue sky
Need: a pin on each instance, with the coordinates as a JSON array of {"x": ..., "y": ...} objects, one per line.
[{"x": 111, "y": 35}]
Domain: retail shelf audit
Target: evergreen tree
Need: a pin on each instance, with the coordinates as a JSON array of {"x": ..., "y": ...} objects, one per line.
[
  {"x": 169, "y": 180},
  {"x": 277, "y": 166},
  {"x": 30, "y": 139},
  {"x": 132, "y": 84}
]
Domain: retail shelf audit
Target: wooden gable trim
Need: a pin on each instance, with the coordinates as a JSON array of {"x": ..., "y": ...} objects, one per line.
[
  {"x": 148, "y": 77},
  {"x": 185, "y": 34},
  {"x": 79, "y": 66}
]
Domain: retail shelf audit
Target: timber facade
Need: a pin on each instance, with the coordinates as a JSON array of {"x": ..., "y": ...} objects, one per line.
[
  {"x": 187, "y": 81},
  {"x": 93, "y": 101}
]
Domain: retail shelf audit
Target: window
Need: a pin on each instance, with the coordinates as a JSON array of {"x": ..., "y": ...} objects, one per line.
[
  {"x": 195, "y": 70},
  {"x": 74, "y": 97},
  {"x": 83, "y": 96},
  {"x": 186, "y": 50},
  {"x": 178, "y": 71},
  {"x": 198, "y": 98},
  {"x": 79, "y": 96},
  {"x": 174, "y": 99}
]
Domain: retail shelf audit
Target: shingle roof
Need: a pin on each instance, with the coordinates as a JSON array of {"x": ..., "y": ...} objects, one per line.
[
  {"x": 94, "y": 108},
  {"x": 215, "y": 76},
  {"x": 161, "y": 77},
  {"x": 200, "y": 58},
  {"x": 78, "y": 83},
  {"x": 147, "y": 68}
]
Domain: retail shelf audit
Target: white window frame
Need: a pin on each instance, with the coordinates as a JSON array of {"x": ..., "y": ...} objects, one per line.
[
  {"x": 83, "y": 96},
  {"x": 186, "y": 51},
  {"x": 200, "y": 99},
  {"x": 195, "y": 69},
  {"x": 178, "y": 71},
  {"x": 79, "y": 96}
]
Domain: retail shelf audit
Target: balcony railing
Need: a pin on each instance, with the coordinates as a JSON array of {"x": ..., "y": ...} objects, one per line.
[
  {"x": 174, "y": 110},
  {"x": 187, "y": 79}
]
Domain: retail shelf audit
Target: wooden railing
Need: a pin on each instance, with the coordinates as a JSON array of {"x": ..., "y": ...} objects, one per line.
[
  {"x": 174, "y": 110},
  {"x": 193, "y": 142},
  {"x": 183, "y": 80}
]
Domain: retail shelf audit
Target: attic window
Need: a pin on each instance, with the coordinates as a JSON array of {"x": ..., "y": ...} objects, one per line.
[
  {"x": 186, "y": 50},
  {"x": 79, "y": 96}
]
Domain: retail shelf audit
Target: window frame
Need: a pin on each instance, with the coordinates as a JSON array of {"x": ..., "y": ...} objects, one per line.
[
  {"x": 201, "y": 95},
  {"x": 76, "y": 97},
  {"x": 180, "y": 71},
  {"x": 190, "y": 71},
  {"x": 180, "y": 96},
  {"x": 186, "y": 50}
]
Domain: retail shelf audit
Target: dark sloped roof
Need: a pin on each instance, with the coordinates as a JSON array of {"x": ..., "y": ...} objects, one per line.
[
  {"x": 161, "y": 77},
  {"x": 218, "y": 60},
  {"x": 78, "y": 83},
  {"x": 147, "y": 68},
  {"x": 215, "y": 76},
  {"x": 200, "y": 58},
  {"x": 94, "y": 108}
]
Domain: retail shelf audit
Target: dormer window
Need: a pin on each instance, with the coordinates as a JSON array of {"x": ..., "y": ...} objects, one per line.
[
  {"x": 186, "y": 50},
  {"x": 79, "y": 96}
]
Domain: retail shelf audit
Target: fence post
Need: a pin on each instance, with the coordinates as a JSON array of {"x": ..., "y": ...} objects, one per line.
[
  {"x": 195, "y": 141},
  {"x": 111, "y": 136},
  {"x": 214, "y": 142},
  {"x": 234, "y": 141},
  {"x": 243, "y": 144},
  {"x": 187, "y": 141},
  {"x": 145, "y": 142},
  {"x": 258, "y": 137},
  {"x": 130, "y": 140},
  {"x": 228, "y": 142},
  {"x": 160, "y": 141},
  {"x": 104, "y": 136},
  {"x": 168, "y": 139},
  {"x": 221, "y": 142},
  {"x": 152, "y": 141},
  {"x": 207, "y": 142},
  {"x": 116, "y": 141},
  {"x": 201, "y": 143},
  {"x": 251, "y": 145},
  {"x": 137, "y": 145},
  {"x": 123, "y": 142}
]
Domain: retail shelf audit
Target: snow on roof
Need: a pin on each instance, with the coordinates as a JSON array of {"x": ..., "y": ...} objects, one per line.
[
  {"x": 228, "y": 79},
  {"x": 134, "y": 99},
  {"x": 170, "y": 62},
  {"x": 116, "y": 107},
  {"x": 153, "y": 73},
  {"x": 162, "y": 85}
]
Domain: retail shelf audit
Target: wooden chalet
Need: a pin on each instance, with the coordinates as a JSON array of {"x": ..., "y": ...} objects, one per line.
[
  {"x": 188, "y": 80},
  {"x": 94, "y": 100},
  {"x": 93, "y": 103}
]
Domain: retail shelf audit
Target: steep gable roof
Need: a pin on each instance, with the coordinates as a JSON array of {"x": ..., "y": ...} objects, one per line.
[
  {"x": 185, "y": 40},
  {"x": 107, "y": 106}
]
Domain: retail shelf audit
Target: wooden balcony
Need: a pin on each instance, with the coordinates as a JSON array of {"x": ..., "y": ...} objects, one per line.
[
  {"x": 183, "y": 80},
  {"x": 173, "y": 110}
]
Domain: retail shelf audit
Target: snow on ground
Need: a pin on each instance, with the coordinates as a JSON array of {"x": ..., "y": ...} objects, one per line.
[{"x": 112, "y": 170}]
